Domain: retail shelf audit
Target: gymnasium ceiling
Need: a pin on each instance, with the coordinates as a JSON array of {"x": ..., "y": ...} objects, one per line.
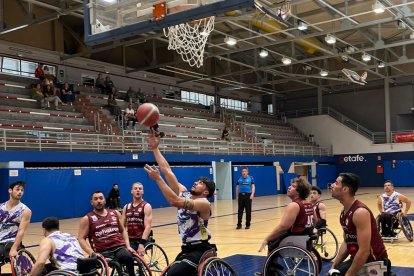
[{"x": 387, "y": 37}]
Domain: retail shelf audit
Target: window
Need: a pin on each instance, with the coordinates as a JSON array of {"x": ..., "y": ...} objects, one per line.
[
  {"x": 270, "y": 109},
  {"x": 22, "y": 67},
  {"x": 196, "y": 98},
  {"x": 11, "y": 65},
  {"x": 233, "y": 104}
]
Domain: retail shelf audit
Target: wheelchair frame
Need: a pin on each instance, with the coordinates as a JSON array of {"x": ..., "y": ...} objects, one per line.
[
  {"x": 404, "y": 225},
  {"x": 100, "y": 261},
  {"x": 320, "y": 244}
]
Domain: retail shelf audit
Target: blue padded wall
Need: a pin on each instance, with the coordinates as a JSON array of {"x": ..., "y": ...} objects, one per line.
[
  {"x": 403, "y": 173},
  {"x": 264, "y": 177}
]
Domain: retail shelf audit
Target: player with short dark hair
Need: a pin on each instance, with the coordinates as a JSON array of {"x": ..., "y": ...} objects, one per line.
[
  {"x": 14, "y": 219},
  {"x": 319, "y": 207},
  {"x": 193, "y": 212},
  {"x": 106, "y": 234},
  {"x": 62, "y": 249}
]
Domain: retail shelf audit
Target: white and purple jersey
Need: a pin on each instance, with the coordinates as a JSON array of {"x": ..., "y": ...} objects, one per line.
[
  {"x": 391, "y": 203},
  {"x": 190, "y": 225},
  {"x": 67, "y": 251},
  {"x": 10, "y": 221}
]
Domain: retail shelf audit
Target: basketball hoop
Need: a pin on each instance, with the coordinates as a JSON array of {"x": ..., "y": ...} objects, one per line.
[{"x": 189, "y": 39}]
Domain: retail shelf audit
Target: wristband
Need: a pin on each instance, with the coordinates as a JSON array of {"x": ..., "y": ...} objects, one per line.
[{"x": 143, "y": 241}]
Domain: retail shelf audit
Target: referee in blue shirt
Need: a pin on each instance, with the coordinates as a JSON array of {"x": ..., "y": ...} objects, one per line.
[{"x": 244, "y": 196}]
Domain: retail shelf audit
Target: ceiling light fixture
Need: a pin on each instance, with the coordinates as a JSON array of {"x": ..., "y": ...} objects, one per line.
[
  {"x": 302, "y": 26},
  {"x": 401, "y": 25},
  {"x": 230, "y": 41},
  {"x": 330, "y": 39},
  {"x": 323, "y": 73},
  {"x": 349, "y": 49},
  {"x": 286, "y": 60},
  {"x": 381, "y": 64},
  {"x": 366, "y": 57},
  {"x": 378, "y": 7},
  {"x": 412, "y": 35},
  {"x": 263, "y": 53}
]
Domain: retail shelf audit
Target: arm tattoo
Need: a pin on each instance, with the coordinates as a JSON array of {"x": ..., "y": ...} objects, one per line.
[{"x": 188, "y": 204}]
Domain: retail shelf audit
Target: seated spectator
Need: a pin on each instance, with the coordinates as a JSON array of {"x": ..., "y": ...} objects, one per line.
[
  {"x": 109, "y": 85},
  {"x": 38, "y": 95},
  {"x": 67, "y": 94},
  {"x": 129, "y": 115},
  {"x": 141, "y": 96},
  {"x": 113, "y": 106},
  {"x": 100, "y": 83},
  {"x": 114, "y": 198},
  {"x": 50, "y": 96},
  {"x": 39, "y": 73},
  {"x": 130, "y": 95},
  {"x": 225, "y": 135}
]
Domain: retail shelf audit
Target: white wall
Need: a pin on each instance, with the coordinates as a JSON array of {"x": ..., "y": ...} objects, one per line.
[{"x": 343, "y": 140}]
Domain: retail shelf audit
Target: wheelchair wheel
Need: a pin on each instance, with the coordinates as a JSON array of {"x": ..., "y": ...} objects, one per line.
[
  {"x": 62, "y": 273},
  {"x": 156, "y": 258},
  {"x": 141, "y": 267},
  {"x": 406, "y": 227},
  {"x": 215, "y": 267},
  {"x": 102, "y": 268},
  {"x": 290, "y": 260},
  {"x": 326, "y": 244},
  {"x": 23, "y": 263}
]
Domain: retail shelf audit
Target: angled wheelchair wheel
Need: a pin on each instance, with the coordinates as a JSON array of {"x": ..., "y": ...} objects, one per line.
[
  {"x": 406, "y": 227},
  {"x": 326, "y": 244},
  {"x": 156, "y": 258},
  {"x": 141, "y": 267},
  {"x": 215, "y": 267},
  {"x": 62, "y": 273},
  {"x": 23, "y": 263},
  {"x": 102, "y": 268},
  {"x": 291, "y": 260}
]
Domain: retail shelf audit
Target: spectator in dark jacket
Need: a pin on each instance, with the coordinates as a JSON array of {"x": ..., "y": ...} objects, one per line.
[{"x": 114, "y": 198}]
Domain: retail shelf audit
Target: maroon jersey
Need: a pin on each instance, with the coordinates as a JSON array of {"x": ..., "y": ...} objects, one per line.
[
  {"x": 104, "y": 232},
  {"x": 377, "y": 250},
  {"x": 316, "y": 208},
  {"x": 304, "y": 218},
  {"x": 135, "y": 220}
]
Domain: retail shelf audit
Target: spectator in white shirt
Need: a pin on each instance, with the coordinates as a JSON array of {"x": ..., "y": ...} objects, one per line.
[{"x": 129, "y": 115}]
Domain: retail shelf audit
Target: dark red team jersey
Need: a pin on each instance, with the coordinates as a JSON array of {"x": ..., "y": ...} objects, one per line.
[
  {"x": 104, "y": 232},
  {"x": 377, "y": 250},
  {"x": 304, "y": 218},
  {"x": 316, "y": 208},
  {"x": 135, "y": 220}
]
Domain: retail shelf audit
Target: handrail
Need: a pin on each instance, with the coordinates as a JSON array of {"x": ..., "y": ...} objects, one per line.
[
  {"x": 375, "y": 137},
  {"x": 12, "y": 139}
]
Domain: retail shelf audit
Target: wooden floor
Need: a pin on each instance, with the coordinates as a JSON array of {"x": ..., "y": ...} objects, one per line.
[{"x": 267, "y": 212}]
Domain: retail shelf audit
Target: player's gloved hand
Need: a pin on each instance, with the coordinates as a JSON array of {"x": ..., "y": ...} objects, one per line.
[
  {"x": 333, "y": 272},
  {"x": 321, "y": 224}
]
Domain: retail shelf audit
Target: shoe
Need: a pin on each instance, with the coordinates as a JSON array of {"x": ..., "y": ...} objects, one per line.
[
  {"x": 238, "y": 227},
  {"x": 247, "y": 227}
]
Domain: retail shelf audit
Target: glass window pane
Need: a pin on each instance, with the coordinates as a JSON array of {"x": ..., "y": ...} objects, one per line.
[
  {"x": 28, "y": 68},
  {"x": 11, "y": 65}
]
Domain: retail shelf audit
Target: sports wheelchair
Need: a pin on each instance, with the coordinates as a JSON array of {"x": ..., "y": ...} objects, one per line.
[
  {"x": 293, "y": 255},
  {"x": 141, "y": 268},
  {"x": 210, "y": 264},
  {"x": 20, "y": 265},
  {"x": 155, "y": 257},
  {"x": 399, "y": 224},
  {"x": 373, "y": 268},
  {"x": 326, "y": 244},
  {"x": 96, "y": 265}
]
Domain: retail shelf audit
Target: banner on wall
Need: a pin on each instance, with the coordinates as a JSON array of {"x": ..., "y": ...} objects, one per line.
[{"x": 404, "y": 138}]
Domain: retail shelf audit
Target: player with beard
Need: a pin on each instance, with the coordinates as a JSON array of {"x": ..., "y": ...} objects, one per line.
[
  {"x": 193, "y": 212},
  {"x": 106, "y": 234},
  {"x": 137, "y": 218},
  {"x": 14, "y": 219}
]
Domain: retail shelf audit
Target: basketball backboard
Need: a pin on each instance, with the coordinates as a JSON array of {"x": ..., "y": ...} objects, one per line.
[{"x": 107, "y": 20}]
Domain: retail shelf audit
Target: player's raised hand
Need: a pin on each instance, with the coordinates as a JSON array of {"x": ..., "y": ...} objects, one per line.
[
  {"x": 153, "y": 172},
  {"x": 152, "y": 139}
]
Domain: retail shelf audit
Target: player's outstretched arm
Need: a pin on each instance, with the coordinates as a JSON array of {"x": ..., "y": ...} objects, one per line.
[
  {"x": 406, "y": 202},
  {"x": 165, "y": 168},
  {"x": 379, "y": 204},
  {"x": 27, "y": 214}
]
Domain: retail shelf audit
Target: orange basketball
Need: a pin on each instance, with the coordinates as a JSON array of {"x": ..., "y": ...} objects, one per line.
[{"x": 148, "y": 114}]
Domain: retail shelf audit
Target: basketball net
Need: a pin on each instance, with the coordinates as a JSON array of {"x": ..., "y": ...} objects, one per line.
[{"x": 189, "y": 39}]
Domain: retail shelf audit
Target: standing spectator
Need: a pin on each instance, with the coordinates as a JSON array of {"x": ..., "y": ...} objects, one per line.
[
  {"x": 129, "y": 115},
  {"x": 67, "y": 94},
  {"x": 114, "y": 198},
  {"x": 100, "y": 83},
  {"x": 362, "y": 240},
  {"x": 109, "y": 86},
  {"x": 244, "y": 196},
  {"x": 14, "y": 218},
  {"x": 225, "y": 135},
  {"x": 39, "y": 73},
  {"x": 137, "y": 218}
]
